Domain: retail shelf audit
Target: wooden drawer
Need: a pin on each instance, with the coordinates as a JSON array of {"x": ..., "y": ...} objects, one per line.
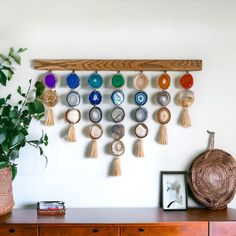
[
  {"x": 18, "y": 230},
  {"x": 223, "y": 228},
  {"x": 168, "y": 229},
  {"x": 78, "y": 231}
]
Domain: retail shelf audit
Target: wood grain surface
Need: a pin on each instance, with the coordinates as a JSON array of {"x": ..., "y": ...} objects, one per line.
[
  {"x": 118, "y": 65},
  {"x": 118, "y": 216},
  {"x": 168, "y": 229},
  {"x": 223, "y": 228}
]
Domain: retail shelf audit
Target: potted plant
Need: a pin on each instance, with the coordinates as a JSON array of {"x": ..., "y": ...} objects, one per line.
[{"x": 14, "y": 126}]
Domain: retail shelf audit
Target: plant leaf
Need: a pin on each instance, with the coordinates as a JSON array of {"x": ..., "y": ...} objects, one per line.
[
  {"x": 8, "y": 97},
  {"x": 11, "y": 51},
  {"x": 3, "y": 78},
  {"x": 14, "y": 154},
  {"x": 39, "y": 108},
  {"x": 39, "y": 88},
  {"x": 31, "y": 107},
  {"x": 19, "y": 90},
  {"x": 13, "y": 114},
  {"x": 16, "y": 123},
  {"x": 21, "y": 50},
  {"x": 3, "y": 134},
  {"x": 13, "y": 171},
  {"x": 4, "y": 164},
  {"x": 17, "y": 139},
  {"x": 3, "y": 57},
  {"x": 2, "y": 101},
  {"x": 16, "y": 58},
  {"x": 6, "y": 110}
]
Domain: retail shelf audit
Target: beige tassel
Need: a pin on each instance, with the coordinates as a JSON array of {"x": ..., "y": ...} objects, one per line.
[
  {"x": 186, "y": 121},
  {"x": 163, "y": 139},
  {"x": 50, "y": 117},
  {"x": 71, "y": 137},
  {"x": 116, "y": 170},
  {"x": 94, "y": 149},
  {"x": 139, "y": 148}
]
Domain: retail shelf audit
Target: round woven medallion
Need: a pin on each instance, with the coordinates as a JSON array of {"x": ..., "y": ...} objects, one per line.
[
  {"x": 49, "y": 98},
  {"x": 164, "y": 81},
  {"x": 117, "y": 114},
  {"x": 73, "y": 116},
  {"x": 95, "y": 131},
  {"x": 141, "y": 81},
  {"x": 95, "y": 97},
  {"x": 117, "y": 80},
  {"x": 118, "y": 131},
  {"x": 141, "y": 130},
  {"x": 50, "y": 80},
  {"x": 73, "y": 98},
  {"x": 118, "y": 97},
  {"x": 140, "y": 114},
  {"x": 163, "y": 98},
  {"x": 95, "y": 80},
  {"x": 140, "y": 98},
  {"x": 73, "y": 80},
  {"x": 212, "y": 178},
  {"x": 95, "y": 114},
  {"x": 117, "y": 148}
]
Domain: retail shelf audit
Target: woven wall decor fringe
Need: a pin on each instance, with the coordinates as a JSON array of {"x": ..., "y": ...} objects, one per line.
[
  {"x": 163, "y": 139},
  {"x": 116, "y": 170},
  {"x": 94, "y": 149},
  {"x": 71, "y": 137},
  {"x": 139, "y": 148},
  {"x": 50, "y": 117},
  {"x": 186, "y": 121}
]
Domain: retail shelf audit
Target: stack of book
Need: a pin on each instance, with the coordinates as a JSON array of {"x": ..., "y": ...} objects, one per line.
[{"x": 51, "y": 208}]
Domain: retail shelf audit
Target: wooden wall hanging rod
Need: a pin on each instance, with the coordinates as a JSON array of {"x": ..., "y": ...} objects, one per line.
[{"x": 119, "y": 65}]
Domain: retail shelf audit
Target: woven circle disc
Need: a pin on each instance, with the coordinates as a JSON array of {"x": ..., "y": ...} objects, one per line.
[
  {"x": 49, "y": 98},
  {"x": 212, "y": 178},
  {"x": 141, "y": 81},
  {"x": 95, "y": 131}
]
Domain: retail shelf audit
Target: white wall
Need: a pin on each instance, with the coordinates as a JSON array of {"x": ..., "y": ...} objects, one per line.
[{"x": 184, "y": 29}]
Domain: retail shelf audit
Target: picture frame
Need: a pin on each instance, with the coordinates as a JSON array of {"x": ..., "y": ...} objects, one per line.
[{"x": 174, "y": 190}]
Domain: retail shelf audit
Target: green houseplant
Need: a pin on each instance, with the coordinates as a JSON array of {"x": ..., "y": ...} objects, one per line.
[{"x": 15, "y": 120}]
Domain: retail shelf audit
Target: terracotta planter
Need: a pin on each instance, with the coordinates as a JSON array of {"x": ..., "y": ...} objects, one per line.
[{"x": 6, "y": 196}]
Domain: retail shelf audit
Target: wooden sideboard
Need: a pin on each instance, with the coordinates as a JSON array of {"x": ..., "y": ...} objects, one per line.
[{"x": 120, "y": 222}]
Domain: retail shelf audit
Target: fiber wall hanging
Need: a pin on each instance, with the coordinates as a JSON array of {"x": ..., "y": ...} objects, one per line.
[
  {"x": 186, "y": 98},
  {"x": 49, "y": 96},
  {"x": 72, "y": 115},
  {"x": 140, "y": 115},
  {"x": 95, "y": 81},
  {"x": 163, "y": 114},
  {"x": 117, "y": 115}
]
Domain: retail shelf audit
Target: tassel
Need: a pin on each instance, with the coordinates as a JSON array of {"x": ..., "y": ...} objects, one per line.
[
  {"x": 94, "y": 149},
  {"x": 139, "y": 150},
  {"x": 186, "y": 121},
  {"x": 71, "y": 137},
  {"x": 116, "y": 171},
  {"x": 163, "y": 139},
  {"x": 50, "y": 117}
]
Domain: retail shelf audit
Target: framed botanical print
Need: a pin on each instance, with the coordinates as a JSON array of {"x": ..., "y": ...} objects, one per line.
[{"x": 174, "y": 190}]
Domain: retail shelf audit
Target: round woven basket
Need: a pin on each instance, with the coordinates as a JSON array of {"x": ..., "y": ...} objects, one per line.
[
  {"x": 212, "y": 178},
  {"x": 6, "y": 195}
]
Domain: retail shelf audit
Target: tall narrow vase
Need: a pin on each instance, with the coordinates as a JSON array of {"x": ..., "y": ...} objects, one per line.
[{"x": 6, "y": 195}]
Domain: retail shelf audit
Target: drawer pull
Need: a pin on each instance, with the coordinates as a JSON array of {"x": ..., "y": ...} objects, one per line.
[
  {"x": 95, "y": 230},
  {"x": 12, "y": 230},
  {"x": 141, "y": 229}
]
